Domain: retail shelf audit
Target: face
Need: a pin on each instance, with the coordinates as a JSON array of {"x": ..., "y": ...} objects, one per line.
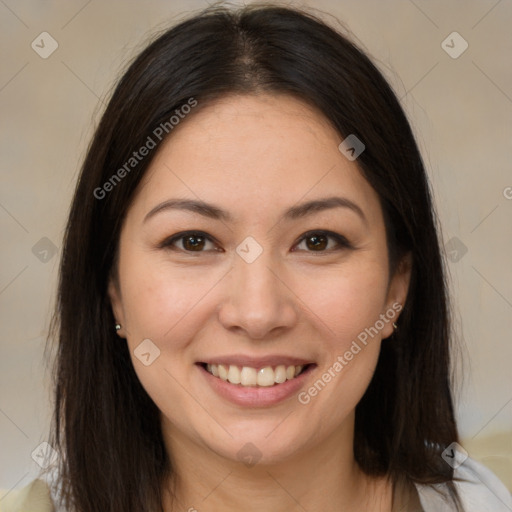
[{"x": 292, "y": 300}]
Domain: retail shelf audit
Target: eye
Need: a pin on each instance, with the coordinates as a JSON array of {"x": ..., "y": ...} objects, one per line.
[
  {"x": 318, "y": 241},
  {"x": 191, "y": 241},
  {"x": 196, "y": 241}
]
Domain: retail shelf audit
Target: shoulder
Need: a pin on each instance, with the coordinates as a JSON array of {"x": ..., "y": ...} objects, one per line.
[
  {"x": 479, "y": 488},
  {"x": 35, "y": 496}
]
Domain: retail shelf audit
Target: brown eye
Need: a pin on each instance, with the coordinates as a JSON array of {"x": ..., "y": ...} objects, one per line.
[
  {"x": 318, "y": 241},
  {"x": 193, "y": 242},
  {"x": 190, "y": 242}
]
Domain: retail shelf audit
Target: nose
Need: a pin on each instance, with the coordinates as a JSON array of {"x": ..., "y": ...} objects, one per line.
[{"x": 257, "y": 300}]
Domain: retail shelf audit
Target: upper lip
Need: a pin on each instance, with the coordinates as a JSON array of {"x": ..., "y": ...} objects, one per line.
[{"x": 256, "y": 362}]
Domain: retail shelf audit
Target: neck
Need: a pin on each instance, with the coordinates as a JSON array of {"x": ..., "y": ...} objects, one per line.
[{"x": 323, "y": 478}]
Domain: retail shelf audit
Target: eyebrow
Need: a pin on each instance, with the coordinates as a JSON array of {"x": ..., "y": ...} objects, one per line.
[{"x": 295, "y": 212}]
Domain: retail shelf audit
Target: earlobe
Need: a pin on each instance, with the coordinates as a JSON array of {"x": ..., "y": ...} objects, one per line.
[
  {"x": 403, "y": 278},
  {"x": 397, "y": 293},
  {"x": 116, "y": 304}
]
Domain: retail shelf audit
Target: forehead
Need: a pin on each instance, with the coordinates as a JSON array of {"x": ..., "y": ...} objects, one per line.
[{"x": 253, "y": 152}]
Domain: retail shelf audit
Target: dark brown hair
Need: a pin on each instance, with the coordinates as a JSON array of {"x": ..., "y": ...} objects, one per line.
[{"x": 105, "y": 426}]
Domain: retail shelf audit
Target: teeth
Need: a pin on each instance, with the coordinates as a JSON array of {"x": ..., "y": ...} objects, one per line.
[
  {"x": 247, "y": 376},
  {"x": 223, "y": 372},
  {"x": 234, "y": 375},
  {"x": 266, "y": 376},
  {"x": 280, "y": 374}
]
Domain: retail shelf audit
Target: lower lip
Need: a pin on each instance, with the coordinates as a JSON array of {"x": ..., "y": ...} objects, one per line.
[{"x": 256, "y": 396}]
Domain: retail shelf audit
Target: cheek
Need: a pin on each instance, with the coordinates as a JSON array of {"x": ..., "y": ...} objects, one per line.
[
  {"x": 348, "y": 308},
  {"x": 346, "y": 301},
  {"x": 161, "y": 306},
  {"x": 158, "y": 300}
]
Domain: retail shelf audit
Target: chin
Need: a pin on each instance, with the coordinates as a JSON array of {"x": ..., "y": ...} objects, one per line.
[{"x": 259, "y": 447}]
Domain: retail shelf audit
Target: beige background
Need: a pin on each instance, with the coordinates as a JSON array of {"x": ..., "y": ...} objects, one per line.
[{"x": 461, "y": 111}]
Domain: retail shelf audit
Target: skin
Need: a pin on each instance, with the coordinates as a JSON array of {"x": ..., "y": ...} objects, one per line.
[{"x": 256, "y": 156}]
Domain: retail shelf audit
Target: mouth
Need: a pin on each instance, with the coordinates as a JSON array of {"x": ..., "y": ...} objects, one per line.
[{"x": 250, "y": 376}]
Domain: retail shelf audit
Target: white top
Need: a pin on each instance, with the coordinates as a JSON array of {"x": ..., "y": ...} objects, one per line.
[{"x": 482, "y": 492}]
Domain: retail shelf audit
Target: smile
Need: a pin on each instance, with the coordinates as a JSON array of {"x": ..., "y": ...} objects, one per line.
[{"x": 248, "y": 376}]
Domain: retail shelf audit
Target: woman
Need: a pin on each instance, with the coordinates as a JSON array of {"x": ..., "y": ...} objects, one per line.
[{"x": 252, "y": 305}]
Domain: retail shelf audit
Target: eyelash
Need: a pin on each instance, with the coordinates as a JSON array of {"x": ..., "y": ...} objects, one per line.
[{"x": 342, "y": 242}]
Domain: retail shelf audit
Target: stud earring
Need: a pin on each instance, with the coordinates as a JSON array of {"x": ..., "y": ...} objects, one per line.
[
  {"x": 118, "y": 326},
  {"x": 395, "y": 327}
]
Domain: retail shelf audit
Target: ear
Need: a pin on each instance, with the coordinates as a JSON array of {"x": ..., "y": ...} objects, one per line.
[
  {"x": 114, "y": 294},
  {"x": 397, "y": 293}
]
